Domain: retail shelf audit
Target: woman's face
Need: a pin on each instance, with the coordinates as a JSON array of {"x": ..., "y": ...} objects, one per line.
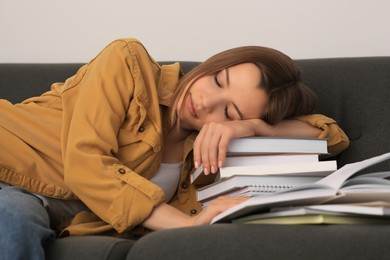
[{"x": 231, "y": 94}]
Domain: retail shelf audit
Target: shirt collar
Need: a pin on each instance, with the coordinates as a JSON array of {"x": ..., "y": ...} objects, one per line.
[{"x": 168, "y": 81}]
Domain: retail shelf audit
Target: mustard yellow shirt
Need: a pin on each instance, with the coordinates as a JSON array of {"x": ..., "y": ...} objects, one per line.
[{"x": 98, "y": 137}]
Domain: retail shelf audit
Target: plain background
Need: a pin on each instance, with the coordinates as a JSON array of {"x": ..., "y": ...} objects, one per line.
[{"x": 76, "y": 30}]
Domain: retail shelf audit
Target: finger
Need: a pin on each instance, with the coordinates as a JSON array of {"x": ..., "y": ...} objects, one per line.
[
  {"x": 216, "y": 207},
  {"x": 222, "y": 149},
  {"x": 208, "y": 135},
  {"x": 230, "y": 200},
  {"x": 221, "y": 204},
  {"x": 198, "y": 146},
  {"x": 213, "y": 152}
]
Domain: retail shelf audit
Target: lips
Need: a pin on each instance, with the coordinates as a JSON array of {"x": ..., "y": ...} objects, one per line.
[{"x": 191, "y": 107}]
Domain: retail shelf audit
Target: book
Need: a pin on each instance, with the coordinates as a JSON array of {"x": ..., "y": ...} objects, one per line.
[
  {"x": 328, "y": 189},
  {"x": 365, "y": 188},
  {"x": 349, "y": 212},
  {"x": 318, "y": 219},
  {"x": 246, "y": 160},
  {"x": 199, "y": 178},
  {"x": 353, "y": 209},
  {"x": 264, "y": 184},
  {"x": 320, "y": 168},
  {"x": 261, "y": 144}
]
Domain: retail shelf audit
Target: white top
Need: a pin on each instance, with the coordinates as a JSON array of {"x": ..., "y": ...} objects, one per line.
[{"x": 167, "y": 178}]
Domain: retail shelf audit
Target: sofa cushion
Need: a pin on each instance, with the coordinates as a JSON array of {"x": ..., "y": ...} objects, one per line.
[
  {"x": 88, "y": 247},
  {"x": 229, "y": 241}
]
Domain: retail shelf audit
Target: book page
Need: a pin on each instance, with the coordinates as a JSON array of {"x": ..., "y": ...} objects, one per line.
[
  {"x": 355, "y": 209},
  {"x": 365, "y": 183},
  {"x": 337, "y": 179},
  {"x": 306, "y": 194}
]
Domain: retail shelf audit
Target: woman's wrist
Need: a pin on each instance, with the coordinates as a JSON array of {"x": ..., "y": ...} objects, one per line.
[
  {"x": 166, "y": 216},
  {"x": 261, "y": 128},
  {"x": 289, "y": 128}
]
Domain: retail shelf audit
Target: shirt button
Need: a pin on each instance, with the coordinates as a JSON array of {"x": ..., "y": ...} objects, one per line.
[
  {"x": 141, "y": 129},
  {"x": 193, "y": 211},
  {"x": 121, "y": 171},
  {"x": 184, "y": 185}
]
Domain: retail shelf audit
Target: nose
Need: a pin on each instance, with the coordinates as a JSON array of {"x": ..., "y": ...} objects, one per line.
[{"x": 212, "y": 101}]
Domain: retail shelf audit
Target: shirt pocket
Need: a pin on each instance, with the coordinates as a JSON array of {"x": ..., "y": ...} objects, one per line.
[{"x": 138, "y": 138}]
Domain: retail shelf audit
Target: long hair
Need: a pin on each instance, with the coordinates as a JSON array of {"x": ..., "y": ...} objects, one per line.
[{"x": 281, "y": 79}]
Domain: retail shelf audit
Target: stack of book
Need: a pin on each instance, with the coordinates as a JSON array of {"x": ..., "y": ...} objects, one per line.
[
  {"x": 343, "y": 197},
  {"x": 262, "y": 165}
]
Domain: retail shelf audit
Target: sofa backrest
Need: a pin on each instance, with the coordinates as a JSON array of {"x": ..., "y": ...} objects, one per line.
[
  {"x": 19, "y": 81},
  {"x": 353, "y": 91}
]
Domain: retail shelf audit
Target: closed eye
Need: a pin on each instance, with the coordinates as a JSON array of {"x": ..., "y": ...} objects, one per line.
[
  {"x": 216, "y": 80},
  {"x": 227, "y": 113}
]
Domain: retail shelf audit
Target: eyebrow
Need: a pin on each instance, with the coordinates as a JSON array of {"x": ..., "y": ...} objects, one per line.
[{"x": 235, "y": 106}]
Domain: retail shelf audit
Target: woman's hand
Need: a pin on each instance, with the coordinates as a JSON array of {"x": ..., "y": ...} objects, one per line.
[
  {"x": 211, "y": 144},
  {"x": 216, "y": 207},
  {"x": 165, "y": 216}
]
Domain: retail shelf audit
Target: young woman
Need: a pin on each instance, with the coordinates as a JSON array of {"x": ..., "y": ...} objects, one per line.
[{"x": 111, "y": 148}]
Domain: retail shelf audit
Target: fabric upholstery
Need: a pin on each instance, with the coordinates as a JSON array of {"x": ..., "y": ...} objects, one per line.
[
  {"x": 227, "y": 241},
  {"x": 353, "y": 91},
  {"x": 88, "y": 247}
]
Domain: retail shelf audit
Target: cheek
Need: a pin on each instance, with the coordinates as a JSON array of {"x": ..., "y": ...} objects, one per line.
[
  {"x": 201, "y": 86},
  {"x": 216, "y": 117}
]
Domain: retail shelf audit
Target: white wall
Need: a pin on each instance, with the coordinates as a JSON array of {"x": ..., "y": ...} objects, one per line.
[{"x": 75, "y": 30}]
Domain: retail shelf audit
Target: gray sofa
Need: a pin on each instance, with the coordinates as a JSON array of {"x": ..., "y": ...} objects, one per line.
[{"x": 354, "y": 91}]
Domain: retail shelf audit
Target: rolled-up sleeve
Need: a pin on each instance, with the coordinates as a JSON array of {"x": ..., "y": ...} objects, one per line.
[
  {"x": 337, "y": 140},
  {"x": 105, "y": 88}
]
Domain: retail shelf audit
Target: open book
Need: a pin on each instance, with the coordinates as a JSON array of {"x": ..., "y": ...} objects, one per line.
[{"x": 327, "y": 189}]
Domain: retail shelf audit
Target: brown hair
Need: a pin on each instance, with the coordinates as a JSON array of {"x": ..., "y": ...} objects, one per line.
[{"x": 287, "y": 96}]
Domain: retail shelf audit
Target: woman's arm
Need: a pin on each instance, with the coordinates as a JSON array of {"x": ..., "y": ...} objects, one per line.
[
  {"x": 338, "y": 141},
  {"x": 166, "y": 216},
  {"x": 289, "y": 128},
  {"x": 102, "y": 94},
  {"x": 211, "y": 144}
]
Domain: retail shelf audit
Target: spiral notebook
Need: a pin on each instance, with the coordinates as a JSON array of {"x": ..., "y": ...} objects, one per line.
[
  {"x": 250, "y": 191},
  {"x": 260, "y": 184}
]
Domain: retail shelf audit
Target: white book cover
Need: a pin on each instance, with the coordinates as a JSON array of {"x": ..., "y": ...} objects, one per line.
[
  {"x": 198, "y": 178},
  {"x": 260, "y": 144},
  {"x": 322, "y": 168}
]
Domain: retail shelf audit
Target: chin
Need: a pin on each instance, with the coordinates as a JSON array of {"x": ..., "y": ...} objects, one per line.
[{"x": 185, "y": 125}]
